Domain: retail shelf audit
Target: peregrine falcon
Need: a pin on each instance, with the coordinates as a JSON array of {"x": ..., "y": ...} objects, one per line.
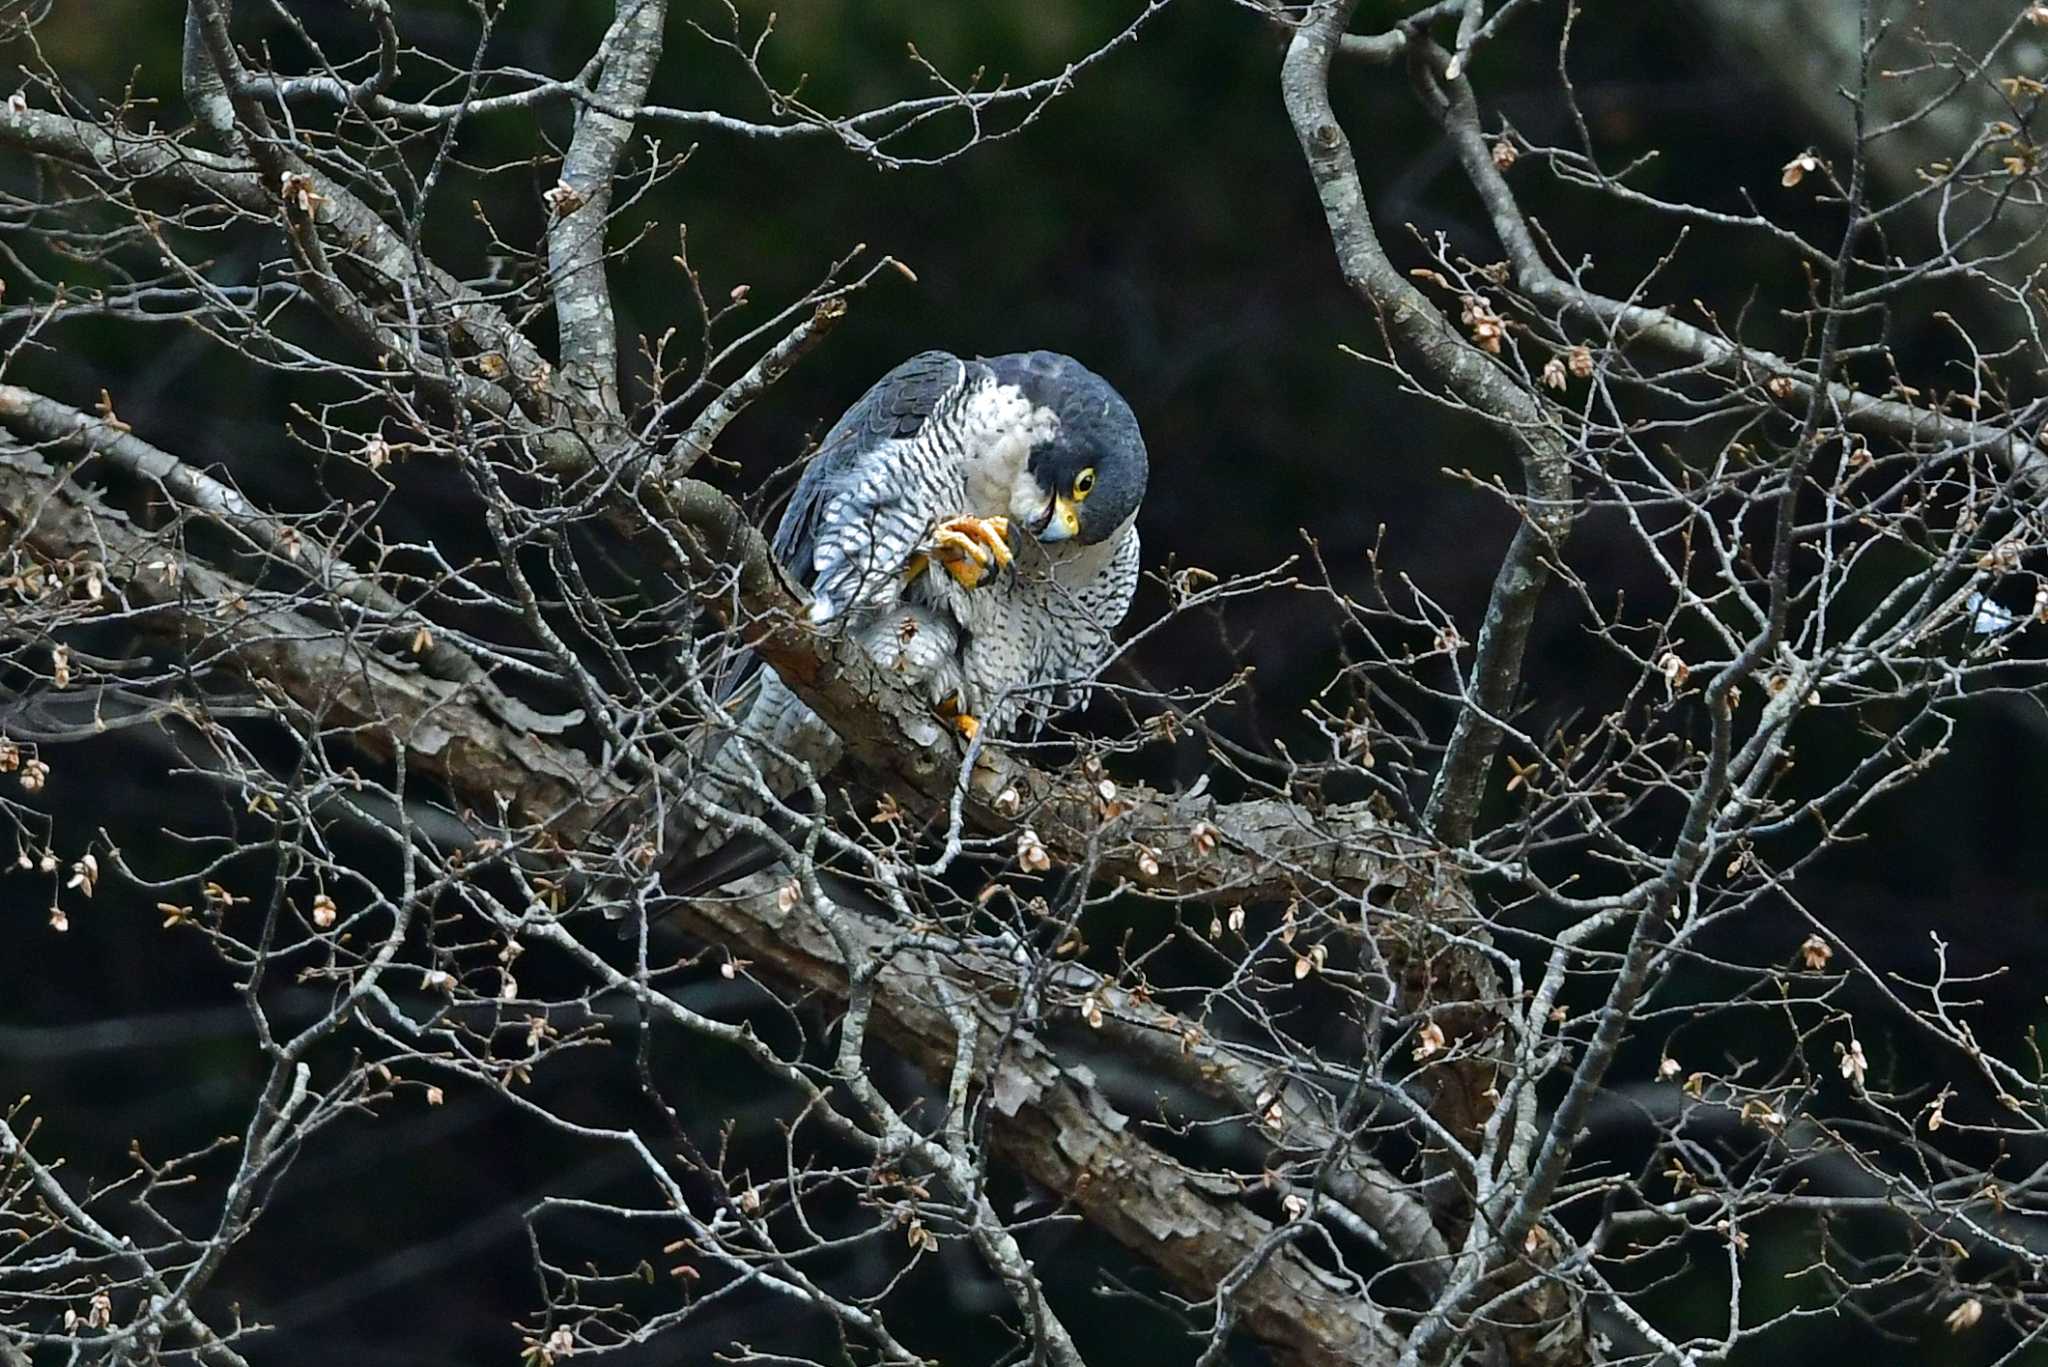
[{"x": 973, "y": 525}]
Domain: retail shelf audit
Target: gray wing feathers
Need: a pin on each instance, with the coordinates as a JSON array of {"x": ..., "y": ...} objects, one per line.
[{"x": 850, "y": 492}]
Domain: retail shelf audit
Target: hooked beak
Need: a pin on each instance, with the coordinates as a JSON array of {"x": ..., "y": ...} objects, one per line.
[{"x": 1062, "y": 522}]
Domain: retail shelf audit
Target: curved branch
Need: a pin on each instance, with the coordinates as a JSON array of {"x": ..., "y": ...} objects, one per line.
[
  {"x": 1415, "y": 326},
  {"x": 1794, "y": 388},
  {"x": 576, "y": 238}
]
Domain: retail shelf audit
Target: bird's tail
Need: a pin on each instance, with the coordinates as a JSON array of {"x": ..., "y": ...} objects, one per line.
[{"x": 714, "y": 809}]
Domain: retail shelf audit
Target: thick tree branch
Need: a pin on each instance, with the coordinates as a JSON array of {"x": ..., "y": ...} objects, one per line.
[
  {"x": 34, "y": 418},
  {"x": 373, "y": 700},
  {"x": 1054, "y": 1124}
]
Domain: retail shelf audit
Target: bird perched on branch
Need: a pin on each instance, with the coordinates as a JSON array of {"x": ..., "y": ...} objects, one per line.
[{"x": 973, "y": 524}]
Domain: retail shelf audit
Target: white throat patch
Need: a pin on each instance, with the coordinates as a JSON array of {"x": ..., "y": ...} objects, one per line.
[{"x": 998, "y": 429}]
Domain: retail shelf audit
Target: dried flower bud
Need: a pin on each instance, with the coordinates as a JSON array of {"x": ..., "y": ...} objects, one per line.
[
  {"x": 1798, "y": 169},
  {"x": 1031, "y": 853},
  {"x": 295, "y": 188},
  {"x": 1854, "y": 1064},
  {"x": 1486, "y": 326},
  {"x": 564, "y": 199},
  {"x": 2004, "y": 557},
  {"x": 1763, "y": 1115},
  {"x": 1429, "y": 1041},
  {"x": 1816, "y": 952}
]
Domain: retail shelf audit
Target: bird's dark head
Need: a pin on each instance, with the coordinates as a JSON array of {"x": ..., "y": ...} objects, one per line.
[{"x": 1087, "y": 480}]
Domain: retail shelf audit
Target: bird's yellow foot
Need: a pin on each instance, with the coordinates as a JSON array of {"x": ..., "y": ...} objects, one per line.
[
  {"x": 967, "y": 724},
  {"x": 971, "y": 547}
]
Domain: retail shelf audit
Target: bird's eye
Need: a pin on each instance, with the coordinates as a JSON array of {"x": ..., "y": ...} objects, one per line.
[{"x": 1084, "y": 483}]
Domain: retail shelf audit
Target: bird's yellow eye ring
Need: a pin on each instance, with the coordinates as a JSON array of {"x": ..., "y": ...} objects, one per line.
[{"x": 1084, "y": 483}]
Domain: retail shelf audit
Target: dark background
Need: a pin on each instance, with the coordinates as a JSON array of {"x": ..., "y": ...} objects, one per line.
[{"x": 1158, "y": 223}]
